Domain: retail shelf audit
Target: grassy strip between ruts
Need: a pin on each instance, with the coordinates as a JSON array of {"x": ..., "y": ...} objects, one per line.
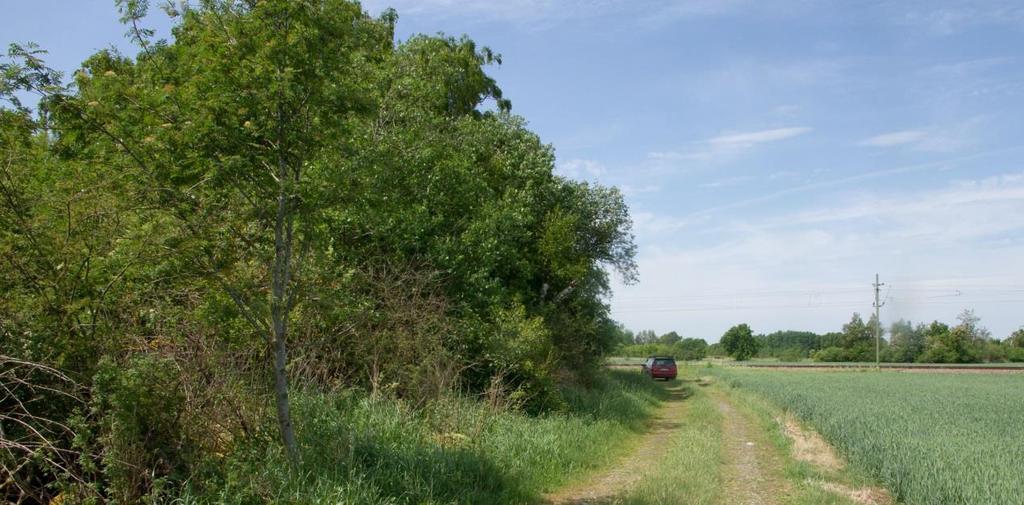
[{"x": 358, "y": 450}]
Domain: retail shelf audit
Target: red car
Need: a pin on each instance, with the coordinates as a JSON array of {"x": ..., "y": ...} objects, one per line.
[{"x": 661, "y": 367}]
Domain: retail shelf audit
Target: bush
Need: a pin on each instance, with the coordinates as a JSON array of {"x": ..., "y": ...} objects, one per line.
[
  {"x": 688, "y": 349},
  {"x": 1015, "y": 354},
  {"x": 359, "y": 449},
  {"x": 792, "y": 354},
  {"x": 134, "y": 431},
  {"x": 832, "y": 354}
]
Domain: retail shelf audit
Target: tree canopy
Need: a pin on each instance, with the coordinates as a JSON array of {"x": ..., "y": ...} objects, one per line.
[
  {"x": 739, "y": 342},
  {"x": 281, "y": 194}
]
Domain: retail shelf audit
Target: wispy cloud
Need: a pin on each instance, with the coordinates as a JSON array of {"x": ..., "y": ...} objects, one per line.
[
  {"x": 783, "y": 174},
  {"x": 895, "y": 138},
  {"x": 945, "y": 139},
  {"x": 729, "y": 143},
  {"x": 750, "y": 139},
  {"x": 970, "y": 227},
  {"x": 727, "y": 181},
  {"x": 938, "y": 210},
  {"x": 844, "y": 181},
  {"x": 951, "y": 19}
]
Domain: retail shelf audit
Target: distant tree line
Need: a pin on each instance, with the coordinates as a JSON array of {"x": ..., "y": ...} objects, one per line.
[
  {"x": 903, "y": 342},
  {"x": 648, "y": 343}
]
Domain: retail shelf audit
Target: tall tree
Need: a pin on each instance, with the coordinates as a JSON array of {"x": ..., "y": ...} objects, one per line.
[
  {"x": 856, "y": 333},
  {"x": 908, "y": 341},
  {"x": 231, "y": 130},
  {"x": 669, "y": 338},
  {"x": 1016, "y": 339},
  {"x": 972, "y": 324},
  {"x": 739, "y": 342}
]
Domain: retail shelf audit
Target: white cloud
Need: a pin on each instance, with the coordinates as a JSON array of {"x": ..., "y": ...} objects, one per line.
[
  {"x": 894, "y": 138},
  {"x": 728, "y": 144},
  {"x": 965, "y": 210},
  {"x": 749, "y": 139},
  {"x": 849, "y": 180},
  {"x": 945, "y": 139},
  {"x": 727, "y": 181},
  {"x": 811, "y": 268}
]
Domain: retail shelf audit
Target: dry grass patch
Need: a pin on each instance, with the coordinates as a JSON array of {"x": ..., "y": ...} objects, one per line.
[
  {"x": 863, "y": 495},
  {"x": 808, "y": 446}
]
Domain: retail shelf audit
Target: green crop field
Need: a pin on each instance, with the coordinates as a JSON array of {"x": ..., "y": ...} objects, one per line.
[{"x": 932, "y": 438}]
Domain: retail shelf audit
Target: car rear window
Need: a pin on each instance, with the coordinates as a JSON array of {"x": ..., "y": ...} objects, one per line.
[{"x": 664, "y": 362}]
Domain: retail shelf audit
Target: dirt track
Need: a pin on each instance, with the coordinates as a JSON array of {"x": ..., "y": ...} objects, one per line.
[
  {"x": 605, "y": 486},
  {"x": 749, "y": 479}
]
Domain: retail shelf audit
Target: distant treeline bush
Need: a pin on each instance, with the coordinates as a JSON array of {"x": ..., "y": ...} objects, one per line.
[
  {"x": 647, "y": 343},
  {"x": 902, "y": 342}
]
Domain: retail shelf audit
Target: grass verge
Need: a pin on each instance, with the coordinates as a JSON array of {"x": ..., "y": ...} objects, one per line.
[{"x": 360, "y": 450}]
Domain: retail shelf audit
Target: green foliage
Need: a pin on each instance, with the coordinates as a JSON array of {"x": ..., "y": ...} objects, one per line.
[
  {"x": 363, "y": 450},
  {"x": 791, "y": 354},
  {"x": 908, "y": 341},
  {"x": 283, "y": 192},
  {"x": 858, "y": 339},
  {"x": 687, "y": 470},
  {"x": 794, "y": 344},
  {"x": 739, "y": 342},
  {"x": 930, "y": 438},
  {"x": 834, "y": 354},
  {"x": 1015, "y": 355},
  {"x": 669, "y": 338},
  {"x": 717, "y": 350},
  {"x": 1014, "y": 345},
  {"x": 141, "y": 442},
  {"x": 687, "y": 349},
  {"x": 1016, "y": 339},
  {"x": 955, "y": 345}
]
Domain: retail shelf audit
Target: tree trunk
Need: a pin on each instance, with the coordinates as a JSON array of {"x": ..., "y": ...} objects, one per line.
[{"x": 279, "y": 308}]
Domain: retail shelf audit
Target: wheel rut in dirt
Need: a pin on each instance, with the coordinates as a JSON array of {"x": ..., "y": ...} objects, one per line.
[{"x": 604, "y": 487}]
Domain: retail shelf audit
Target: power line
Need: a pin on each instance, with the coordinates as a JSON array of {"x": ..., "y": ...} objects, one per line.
[{"x": 878, "y": 323}]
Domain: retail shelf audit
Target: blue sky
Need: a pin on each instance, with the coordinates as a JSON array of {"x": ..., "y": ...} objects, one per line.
[{"x": 775, "y": 155}]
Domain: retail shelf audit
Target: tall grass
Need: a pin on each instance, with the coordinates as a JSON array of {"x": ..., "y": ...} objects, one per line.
[
  {"x": 356, "y": 449},
  {"x": 930, "y": 438}
]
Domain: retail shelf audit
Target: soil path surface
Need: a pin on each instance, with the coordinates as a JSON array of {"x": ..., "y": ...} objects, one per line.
[
  {"x": 603, "y": 487},
  {"x": 748, "y": 478}
]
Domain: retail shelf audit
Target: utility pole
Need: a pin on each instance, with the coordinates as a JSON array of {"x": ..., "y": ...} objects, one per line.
[{"x": 878, "y": 323}]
